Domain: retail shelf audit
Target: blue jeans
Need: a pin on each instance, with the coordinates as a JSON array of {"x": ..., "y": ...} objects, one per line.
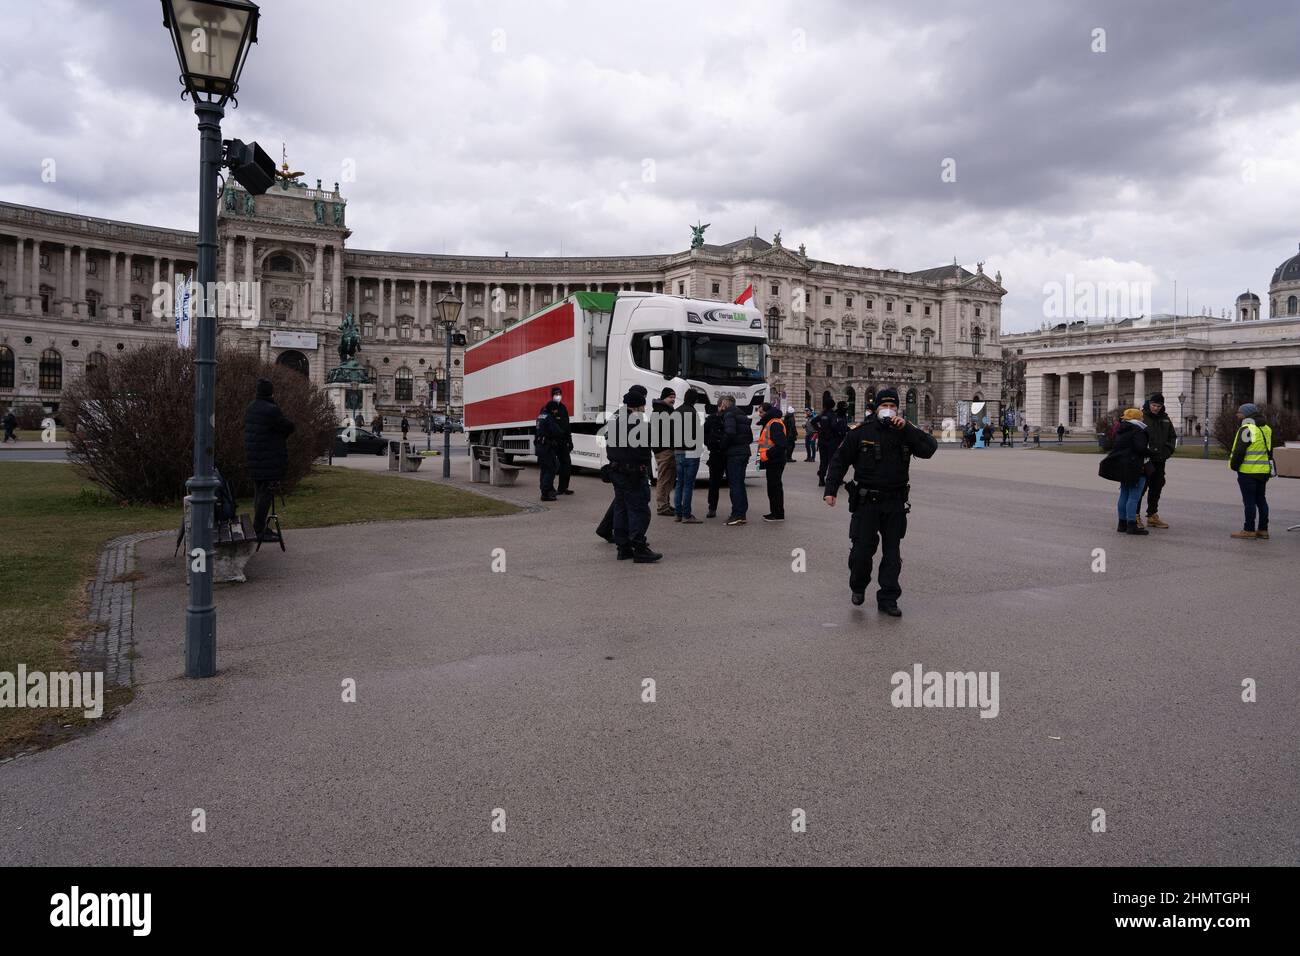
[
  {"x": 736, "y": 483},
  {"x": 687, "y": 468},
  {"x": 1252, "y": 498},
  {"x": 1129, "y": 496}
]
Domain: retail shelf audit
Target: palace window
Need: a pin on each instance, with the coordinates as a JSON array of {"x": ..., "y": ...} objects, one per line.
[
  {"x": 850, "y": 371},
  {"x": 977, "y": 343},
  {"x": 92, "y": 303},
  {"x": 1291, "y": 305},
  {"x": 979, "y": 378},
  {"x": 848, "y": 302},
  {"x": 137, "y": 309},
  {"x": 92, "y": 266},
  {"x": 681, "y": 288},
  {"x": 776, "y": 289},
  {"x": 280, "y": 263},
  {"x": 776, "y": 366},
  {"x": 871, "y": 304},
  {"x": 830, "y": 371},
  {"x": 889, "y": 306},
  {"x": 773, "y": 325},
  {"x": 927, "y": 310},
  {"x": 977, "y": 311},
  {"x": 404, "y": 331},
  {"x": 925, "y": 345},
  {"x": 137, "y": 273},
  {"x": 826, "y": 339},
  {"x": 827, "y": 300},
  {"x": 889, "y": 341},
  {"x": 807, "y": 369},
  {"x": 512, "y": 298},
  {"x": 403, "y": 385},
  {"x": 929, "y": 376},
  {"x": 95, "y": 360},
  {"x": 368, "y": 292},
  {"x": 51, "y": 371},
  {"x": 907, "y": 342},
  {"x": 717, "y": 288},
  {"x": 6, "y": 367}
]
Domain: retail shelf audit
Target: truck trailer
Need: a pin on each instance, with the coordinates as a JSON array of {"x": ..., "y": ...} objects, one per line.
[{"x": 595, "y": 346}]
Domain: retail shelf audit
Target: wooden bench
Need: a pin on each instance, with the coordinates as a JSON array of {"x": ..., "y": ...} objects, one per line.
[
  {"x": 486, "y": 466},
  {"x": 233, "y": 545},
  {"x": 402, "y": 457}
]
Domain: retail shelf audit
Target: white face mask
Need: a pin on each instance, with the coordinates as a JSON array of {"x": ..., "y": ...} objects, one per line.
[{"x": 887, "y": 413}]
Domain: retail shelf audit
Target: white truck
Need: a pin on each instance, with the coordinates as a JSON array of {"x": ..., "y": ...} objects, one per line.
[{"x": 594, "y": 346}]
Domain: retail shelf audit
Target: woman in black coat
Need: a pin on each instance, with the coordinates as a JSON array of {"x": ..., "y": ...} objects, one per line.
[
  {"x": 1131, "y": 454},
  {"x": 265, "y": 431}
]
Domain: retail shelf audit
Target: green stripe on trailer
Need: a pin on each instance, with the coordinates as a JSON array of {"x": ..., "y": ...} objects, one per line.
[{"x": 596, "y": 301}]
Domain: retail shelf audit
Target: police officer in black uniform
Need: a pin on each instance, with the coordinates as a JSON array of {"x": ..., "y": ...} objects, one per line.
[
  {"x": 548, "y": 437},
  {"x": 629, "y": 472},
  {"x": 563, "y": 448},
  {"x": 606, "y": 527},
  {"x": 880, "y": 451}
]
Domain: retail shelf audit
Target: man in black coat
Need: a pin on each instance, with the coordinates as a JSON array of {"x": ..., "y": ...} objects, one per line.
[
  {"x": 547, "y": 438},
  {"x": 265, "y": 431},
  {"x": 715, "y": 440},
  {"x": 880, "y": 451},
  {"x": 791, "y": 435},
  {"x": 772, "y": 446},
  {"x": 738, "y": 435},
  {"x": 606, "y": 527},
  {"x": 564, "y": 446},
  {"x": 1162, "y": 440},
  {"x": 630, "y": 459}
]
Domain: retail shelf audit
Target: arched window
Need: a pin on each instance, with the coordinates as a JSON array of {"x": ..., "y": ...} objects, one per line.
[
  {"x": 852, "y": 397},
  {"x": 403, "y": 385},
  {"x": 773, "y": 325},
  {"x": 51, "y": 370},
  {"x": 1290, "y": 305},
  {"x": 6, "y": 367},
  {"x": 280, "y": 263},
  {"x": 95, "y": 360},
  {"x": 370, "y": 373}
]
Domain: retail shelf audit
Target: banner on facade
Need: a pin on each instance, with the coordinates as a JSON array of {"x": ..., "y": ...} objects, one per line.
[
  {"x": 184, "y": 309},
  {"x": 293, "y": 340}
]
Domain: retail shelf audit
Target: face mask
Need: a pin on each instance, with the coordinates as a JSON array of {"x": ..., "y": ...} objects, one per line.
[{"x": 887, "y": 413}]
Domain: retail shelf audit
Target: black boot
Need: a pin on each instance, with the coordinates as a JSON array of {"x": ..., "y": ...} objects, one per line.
[
  {"x": 1123, "y": 526},
  {"x": 1134, "y": 528},
  {"x": 641, "y": 554},
  {"x": 624, "y": 552},
  {"x": 892, "y": 610},
  {"x": 859, "y": 597}
]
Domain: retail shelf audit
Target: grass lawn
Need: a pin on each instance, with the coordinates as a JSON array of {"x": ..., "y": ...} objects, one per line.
[
  {"x": 34, "y": 434},
  {"x": 54, "y": 524},
  {"x": 1188, "y": 450}
]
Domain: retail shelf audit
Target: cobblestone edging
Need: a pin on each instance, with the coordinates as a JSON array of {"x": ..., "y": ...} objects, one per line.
[{"x": 112, "y": 609}]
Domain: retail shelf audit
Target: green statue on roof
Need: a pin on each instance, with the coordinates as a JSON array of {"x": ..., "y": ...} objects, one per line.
[{"x": 697, "y": 234}]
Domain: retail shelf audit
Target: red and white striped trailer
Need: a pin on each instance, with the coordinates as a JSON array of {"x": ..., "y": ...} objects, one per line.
[{"x": 594, "y": 346}]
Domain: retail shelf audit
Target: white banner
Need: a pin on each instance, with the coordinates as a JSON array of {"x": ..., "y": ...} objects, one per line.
[
  {"x": 184, "y": 309},
  {"x": 293, "y": 340}
]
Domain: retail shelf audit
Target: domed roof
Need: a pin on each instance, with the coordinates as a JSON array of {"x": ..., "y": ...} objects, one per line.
[
  {"x": 1288, "y": 271},
  {"x": 1248, "y": 295}
]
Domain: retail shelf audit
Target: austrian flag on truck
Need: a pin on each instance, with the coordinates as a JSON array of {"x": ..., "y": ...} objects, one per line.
[{"x": 517, "y": 368}]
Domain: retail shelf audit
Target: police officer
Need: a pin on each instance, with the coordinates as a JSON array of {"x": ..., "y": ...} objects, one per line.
[
  {"x": 606, "y": 527},
  {"x": 564, "y": 463},
  {"x": 629, "y": 473},
  {"x": 880, "y": 451},
  {"x": 548, "y": 437}
]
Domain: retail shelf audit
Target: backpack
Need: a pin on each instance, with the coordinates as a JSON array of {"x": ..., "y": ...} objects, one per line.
[
  {"x": 1108, "y": 443},
  {"x": 225, "y": 508}
]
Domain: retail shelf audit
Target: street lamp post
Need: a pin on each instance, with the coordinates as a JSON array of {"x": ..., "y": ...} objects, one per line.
[
  {"x": 449, "y": 306},
  {"x": 1182, "y": 419},
  {"x": 211, "y": 40},
  {"x": 1208, "y": 371}
]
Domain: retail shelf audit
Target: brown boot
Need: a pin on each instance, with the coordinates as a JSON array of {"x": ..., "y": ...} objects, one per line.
[
  {"x": 1155, "y": 521},
  {"x": 1250, "y": 535},
  {"x": 1261, "y": 535},
  {"x": 1138, "y": 521}
]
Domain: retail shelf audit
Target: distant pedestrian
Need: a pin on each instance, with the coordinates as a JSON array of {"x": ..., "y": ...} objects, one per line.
[
  {"x": 629, "y": 473},
  {"x": 715, "y": 443},
  {"x": 1162, "y": 440},
  {"x": 1026, "y": 433},
  {"x": 265, "y": 448},
  {"x": 987, "y": 435},
  {"x": 688, "y": 458},
  {"x": 664, "y": 453},
  {"x": 563, "y": 447},
  {"x": 1252, "y": 459},
  {"x": 547, "y": 436},
  {"x": 379, "y": 426},
  {"x": 1060, "y": 434},
  {"x": 406, "y": 426},
  {"x": 809, "y": 434},
  {"x": 1006, "y": 435},
  {"x": 606, "y": 527},
  {"x": 791, "y": 435},
  {"x": 738, "y": 436},
  {"x": 771, "y": 459},
  {"x": 831, "y": 429},
  {"x": 1126, "y": 464},
  {"x": 11, "y": 423}
]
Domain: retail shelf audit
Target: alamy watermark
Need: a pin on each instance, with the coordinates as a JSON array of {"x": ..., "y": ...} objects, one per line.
[
  {"x": 922, "y": 688},
  {"x": 60, "y": 690},
  {"x": 1085, "y": 299}
]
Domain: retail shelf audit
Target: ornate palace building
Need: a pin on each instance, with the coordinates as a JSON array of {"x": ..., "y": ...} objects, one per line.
[
  {"x": 1074, "y": 372},
  {"x": 76, "y": 290}
]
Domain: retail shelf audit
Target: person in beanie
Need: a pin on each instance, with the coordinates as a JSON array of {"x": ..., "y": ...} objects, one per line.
[
  {"x": 809, "y": 435},
  {"x": 772, "y": 445},
  {"x": 791, "y": 434},
  {"x": 265, "y": 433},
  {"x": 737, "y": 436},
  {"x": 1131, "y": 443},
  {"x": 832, "y": 426},
  {"x": 606, "y": 527},
  {"x": 1252, "y": 459},
  {"x": 688, "y": 458},
  {"x": 563, "y": 447},
  {"x": 880, "y": 452},
  {"x": 548, "y": 435},
  {"x": 406, "y": 425},
  {"x": 664, "y": 452},
  {"x": 1162, "y": 439},
  {"x": 715, "y": 441},
  {"x": 629, "y": 473}
]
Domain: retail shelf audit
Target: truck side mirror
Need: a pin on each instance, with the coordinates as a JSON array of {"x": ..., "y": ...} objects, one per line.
[{"x": 657, "y": 353}]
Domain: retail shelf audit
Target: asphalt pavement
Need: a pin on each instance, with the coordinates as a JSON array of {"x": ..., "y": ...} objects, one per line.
[{"x": 518, "y": 694}]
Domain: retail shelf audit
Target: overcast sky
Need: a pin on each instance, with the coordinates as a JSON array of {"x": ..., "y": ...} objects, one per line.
[{"x": 605, "y": 128}]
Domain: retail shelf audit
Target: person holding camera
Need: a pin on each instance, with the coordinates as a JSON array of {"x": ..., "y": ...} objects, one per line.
[{"x": 880, "y": 451}]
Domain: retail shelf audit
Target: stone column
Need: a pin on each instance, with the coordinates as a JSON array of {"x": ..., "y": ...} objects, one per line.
[
  {"x": 82, "y": 311},
  {"x": 36, "y": 276},
  {"x": 67, "y": 281},
  {"x": 336, "y": 278},
  {"x": 1034, "y": 399},
  {"x": 1275, "y": 393},
  {"x": 20, "y": 270},
  {"x": 318, "y": 279},
  {"x": 1260, "y": 396},
  {"x": 1112, "y": 390},
  {"x": 229, "y": 272},
  {"x": 1063, "y": 400},
  {"x": 1086, "y": 418},
  {"x": 1139, "y": 387},
  {"x": 254, "y": 301}
]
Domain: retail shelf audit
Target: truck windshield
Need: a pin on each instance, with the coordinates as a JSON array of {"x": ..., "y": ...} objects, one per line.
[{"x": 722, "y": 358}]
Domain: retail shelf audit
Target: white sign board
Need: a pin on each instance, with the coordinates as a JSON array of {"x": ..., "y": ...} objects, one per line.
[{"x": 293, "y": 340}]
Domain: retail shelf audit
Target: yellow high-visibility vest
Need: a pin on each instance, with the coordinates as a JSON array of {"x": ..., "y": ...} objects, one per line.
[{"x": 1260, "y": 439}]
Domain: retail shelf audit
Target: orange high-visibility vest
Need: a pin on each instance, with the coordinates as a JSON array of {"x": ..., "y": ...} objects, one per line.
[{"x": 765, "y": 441}]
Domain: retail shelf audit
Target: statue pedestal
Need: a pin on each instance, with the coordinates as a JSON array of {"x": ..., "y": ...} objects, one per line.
[{"x": 351, "y": 399}]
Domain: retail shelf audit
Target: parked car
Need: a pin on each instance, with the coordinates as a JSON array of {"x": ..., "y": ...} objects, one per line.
[
  {"x": 453, "y": 425},
  {"x": 363, "y": 443}
]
